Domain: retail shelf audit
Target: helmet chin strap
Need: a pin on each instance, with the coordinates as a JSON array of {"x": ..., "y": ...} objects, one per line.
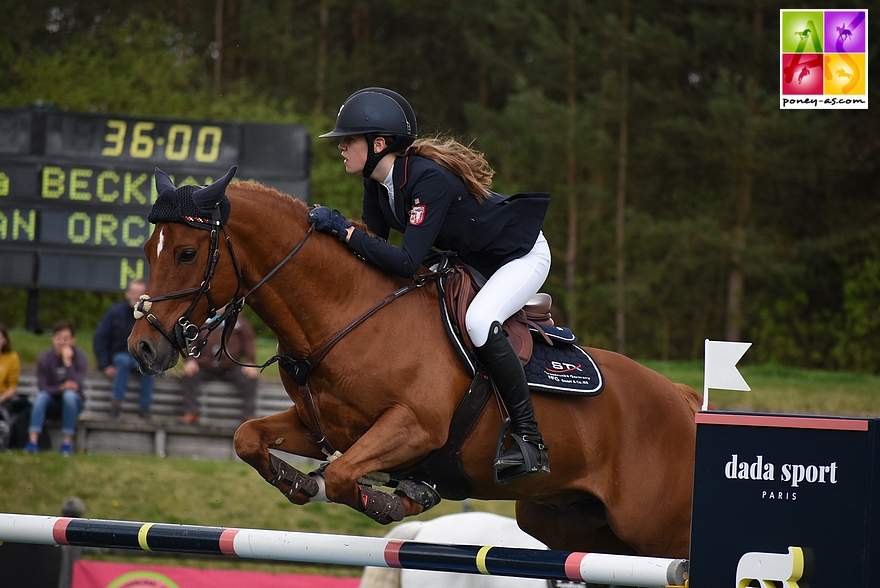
[{"x": 374, "y": 158}]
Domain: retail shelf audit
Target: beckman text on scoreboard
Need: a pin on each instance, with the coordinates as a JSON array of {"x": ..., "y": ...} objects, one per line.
[{"x": 76, "y": 188}]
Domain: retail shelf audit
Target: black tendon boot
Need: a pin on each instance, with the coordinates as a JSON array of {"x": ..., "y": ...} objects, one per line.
[{"x": 528, "y": 454}]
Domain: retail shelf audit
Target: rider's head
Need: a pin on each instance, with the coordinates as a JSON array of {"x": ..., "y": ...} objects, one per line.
[{"x": 377, "y": 112}]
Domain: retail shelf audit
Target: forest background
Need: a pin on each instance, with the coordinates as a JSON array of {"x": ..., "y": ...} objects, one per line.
[{"x": 685, "y": 204}]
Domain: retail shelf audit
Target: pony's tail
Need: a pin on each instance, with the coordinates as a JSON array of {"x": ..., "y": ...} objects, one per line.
[{"x": 389, "y": 577}]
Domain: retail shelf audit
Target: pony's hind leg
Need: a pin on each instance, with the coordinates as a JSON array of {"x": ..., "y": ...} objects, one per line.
[
  {"x": 283, "y": 431},
  {"x": 580, "y": 526}
]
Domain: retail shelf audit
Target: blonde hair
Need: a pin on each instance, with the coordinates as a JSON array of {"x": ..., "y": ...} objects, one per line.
[{"x": 466, "y": 163}]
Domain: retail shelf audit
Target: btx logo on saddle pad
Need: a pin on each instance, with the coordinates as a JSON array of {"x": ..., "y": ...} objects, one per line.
[{"x": 564, "y": 368}]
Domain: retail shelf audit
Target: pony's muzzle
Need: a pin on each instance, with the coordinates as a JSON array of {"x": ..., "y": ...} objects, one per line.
[
  {"x": 153, "y": 358},
  {"x": 145, "y": 355}
]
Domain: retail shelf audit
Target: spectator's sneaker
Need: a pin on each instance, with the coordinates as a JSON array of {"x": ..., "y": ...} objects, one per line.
[
  {"x": 115, "y": 410},
  {"x": 31, "y": 447},
  {"x": 66, "y": 449},
  {"x": 189, "y": 418},
  {"x": 146, "y": 414}
]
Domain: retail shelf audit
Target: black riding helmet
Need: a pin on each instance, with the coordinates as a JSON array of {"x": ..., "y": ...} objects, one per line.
[{"x": 375, "y": 112}]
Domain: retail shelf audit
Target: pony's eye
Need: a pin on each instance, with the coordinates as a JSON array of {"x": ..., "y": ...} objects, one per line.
[{"x": 187, "y": 256}]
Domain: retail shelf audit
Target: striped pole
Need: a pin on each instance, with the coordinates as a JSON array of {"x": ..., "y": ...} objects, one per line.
[{"x": 622, "y": 570}]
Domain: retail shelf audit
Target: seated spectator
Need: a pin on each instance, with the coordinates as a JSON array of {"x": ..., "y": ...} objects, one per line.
[
  {"x": 213, "y": 364},
  {"x": 111, "y": 350},
  {"x": 14, "y": 408},
  {"x": 10, "y": 367},
  {"x": 60, "y": 374}
]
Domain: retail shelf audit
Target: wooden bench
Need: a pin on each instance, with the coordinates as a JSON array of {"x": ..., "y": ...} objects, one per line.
[{"x": 162, "y": 435}]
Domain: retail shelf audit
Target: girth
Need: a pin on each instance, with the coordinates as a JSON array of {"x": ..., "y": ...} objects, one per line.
[{"x": 442, "y": 468}]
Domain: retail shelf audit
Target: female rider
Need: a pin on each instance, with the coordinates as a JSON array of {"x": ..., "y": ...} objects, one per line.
[{"x": 437, "y": 194}]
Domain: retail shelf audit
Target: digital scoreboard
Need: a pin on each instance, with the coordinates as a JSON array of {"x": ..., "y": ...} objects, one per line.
[{"x": 76, "y": 188}]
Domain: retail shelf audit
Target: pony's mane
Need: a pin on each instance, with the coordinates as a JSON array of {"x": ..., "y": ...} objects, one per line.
[
  {"x": 277, "y": 203},
  {"x": 261, "y": 190},
  {"x": 284, "y": 199}
]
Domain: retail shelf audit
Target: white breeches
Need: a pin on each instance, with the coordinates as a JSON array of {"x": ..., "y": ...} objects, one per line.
[{"x": 508, "y": 290}]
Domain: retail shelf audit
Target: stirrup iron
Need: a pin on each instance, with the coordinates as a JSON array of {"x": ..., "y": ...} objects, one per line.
[{"x": 534, "y": 460}]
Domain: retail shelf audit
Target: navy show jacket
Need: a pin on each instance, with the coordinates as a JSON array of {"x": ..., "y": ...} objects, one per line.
[{"x": 432, "y": 208}]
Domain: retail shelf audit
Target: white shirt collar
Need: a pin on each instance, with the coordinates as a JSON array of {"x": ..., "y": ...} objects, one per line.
[{"x": 388, "y": 182}]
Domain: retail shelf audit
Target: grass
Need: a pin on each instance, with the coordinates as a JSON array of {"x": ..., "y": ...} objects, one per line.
[
  {"x": 172, "y": 490},
  {"x": 776, "y": 388},
  {"x": 231, "y": 494}
]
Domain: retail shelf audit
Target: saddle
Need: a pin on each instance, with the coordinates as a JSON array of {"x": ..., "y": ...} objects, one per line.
[{"x": 459, "y": 289}]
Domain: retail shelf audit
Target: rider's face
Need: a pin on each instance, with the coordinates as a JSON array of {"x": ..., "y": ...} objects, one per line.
[{"x": 354, "y": 152}]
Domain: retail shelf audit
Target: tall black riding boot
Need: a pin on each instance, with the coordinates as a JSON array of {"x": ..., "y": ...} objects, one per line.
[{"x": 528, "y": 454}]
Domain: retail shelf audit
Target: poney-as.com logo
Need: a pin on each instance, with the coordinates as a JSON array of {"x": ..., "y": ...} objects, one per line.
[{"x": 823, "y": 59}]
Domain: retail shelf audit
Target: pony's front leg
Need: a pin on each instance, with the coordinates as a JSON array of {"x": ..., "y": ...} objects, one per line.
[
  {"x": 283, "y": 431},
  {"x": 396, "y": 438}
]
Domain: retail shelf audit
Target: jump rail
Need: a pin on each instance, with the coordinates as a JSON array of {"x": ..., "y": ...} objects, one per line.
[{"x": 621, "y": 570}]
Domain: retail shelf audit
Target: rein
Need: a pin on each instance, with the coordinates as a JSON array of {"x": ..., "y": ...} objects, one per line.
[
  {"x": 301, "y": 369},
  {"x": 185, "y": 334}
]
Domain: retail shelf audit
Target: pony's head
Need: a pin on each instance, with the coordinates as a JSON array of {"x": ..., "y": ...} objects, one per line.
[{"x": 188, "y": 280}]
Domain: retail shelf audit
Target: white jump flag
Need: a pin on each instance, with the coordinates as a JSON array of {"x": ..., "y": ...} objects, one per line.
[{"x": 720, "y": 369}]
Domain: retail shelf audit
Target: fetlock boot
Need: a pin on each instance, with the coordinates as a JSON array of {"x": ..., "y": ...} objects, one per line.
[{"x": 528, "y": 454}]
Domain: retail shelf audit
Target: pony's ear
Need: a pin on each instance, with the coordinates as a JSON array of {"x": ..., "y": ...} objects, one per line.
[
  {"x": 207, "y": 198},
  {"x": 163, "y": 182}
]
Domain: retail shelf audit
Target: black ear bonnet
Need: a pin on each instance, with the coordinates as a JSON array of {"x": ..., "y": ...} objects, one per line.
[{"x": 191, "y": 205}]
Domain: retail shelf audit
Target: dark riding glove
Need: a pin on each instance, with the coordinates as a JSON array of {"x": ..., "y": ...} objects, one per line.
[{"x": 330, "y": 221}]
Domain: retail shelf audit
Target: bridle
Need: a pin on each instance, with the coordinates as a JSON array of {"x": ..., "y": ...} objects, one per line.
[{"x": 185, "y": 335}]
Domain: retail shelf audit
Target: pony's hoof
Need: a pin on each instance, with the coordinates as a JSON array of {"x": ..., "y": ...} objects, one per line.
[
  {"x": 420, "y": 492},
  {"x": 380, "y": 506}
]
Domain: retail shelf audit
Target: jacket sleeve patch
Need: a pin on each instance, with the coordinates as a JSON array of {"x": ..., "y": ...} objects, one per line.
[{"x": 417, "y": 214}]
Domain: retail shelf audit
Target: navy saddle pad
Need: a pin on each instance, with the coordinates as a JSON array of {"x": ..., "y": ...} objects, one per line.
[{"x": 563, "y": 368}]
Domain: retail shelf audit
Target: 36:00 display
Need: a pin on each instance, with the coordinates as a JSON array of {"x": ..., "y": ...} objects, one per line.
[{"x": 177, "y": 142}]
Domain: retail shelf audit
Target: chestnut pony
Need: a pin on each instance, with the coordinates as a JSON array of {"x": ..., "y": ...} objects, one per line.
[{"x": 384, "y": 395}]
